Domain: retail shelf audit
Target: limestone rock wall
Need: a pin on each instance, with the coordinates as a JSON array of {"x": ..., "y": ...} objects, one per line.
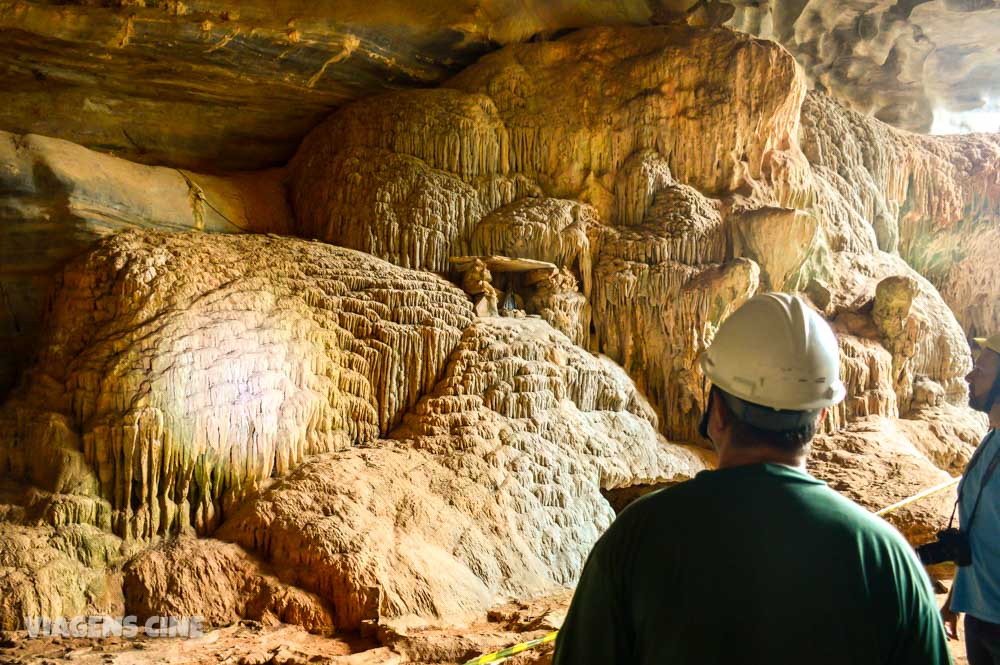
[
  {"x": 371, "y": 445},
  {"x": 183, "y": 373},
  {"x": 900, "y": 62},
  {"x": 614, "y": 181},
  {"x": 220, "y": 84},
  {"x": 559, "y": 115},
  {"x": 234, "y": 85},
  {"x": 677, "y": 183}
]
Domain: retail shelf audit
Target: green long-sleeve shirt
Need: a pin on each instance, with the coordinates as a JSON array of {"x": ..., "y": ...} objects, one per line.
[{"x": 752, "y": 564}]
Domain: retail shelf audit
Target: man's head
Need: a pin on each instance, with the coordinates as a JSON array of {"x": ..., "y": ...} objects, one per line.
[
  {"x": 732, "y": 423},
  {"x": 774, "y": 367},
  {"x": 984, "y": 379}
]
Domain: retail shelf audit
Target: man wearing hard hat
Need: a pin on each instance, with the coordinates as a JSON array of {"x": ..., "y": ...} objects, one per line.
[
  {"x": 756, "y": 562},
  {"x": 976, "y": 590}
]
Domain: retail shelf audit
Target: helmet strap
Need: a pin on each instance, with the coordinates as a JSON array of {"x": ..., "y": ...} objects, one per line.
[{"x": 703, "y": 425}]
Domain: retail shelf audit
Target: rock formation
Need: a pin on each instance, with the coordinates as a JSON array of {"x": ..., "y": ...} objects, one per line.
[
  {"x": 898, "y": 61},
  {"x": 182, "y": 370},
  {"x": 510, "y": 278},
  {"x": 934, "y": 200},
  {"x": 229, "y": 85},
  {"x": 217, "y": 581}
]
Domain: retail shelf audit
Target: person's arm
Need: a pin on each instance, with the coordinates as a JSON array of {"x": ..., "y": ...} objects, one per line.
[
  {"x": 922, "y": 637},
  {"x": 949, "y": 616},
  {"x": 595, "y": 630}
]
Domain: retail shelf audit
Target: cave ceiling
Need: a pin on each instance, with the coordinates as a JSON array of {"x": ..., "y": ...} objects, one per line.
[{"x": 220, "y": 85}]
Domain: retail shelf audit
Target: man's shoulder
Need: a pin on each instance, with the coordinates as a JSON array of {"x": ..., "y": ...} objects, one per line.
[
  {"x": 855, "y": 517},
  {"x": 667, "y": 498},
  {"x": 669, "y": 503}
]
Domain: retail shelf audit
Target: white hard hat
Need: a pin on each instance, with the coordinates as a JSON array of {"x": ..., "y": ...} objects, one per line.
[{"x": 777, "y": 352}]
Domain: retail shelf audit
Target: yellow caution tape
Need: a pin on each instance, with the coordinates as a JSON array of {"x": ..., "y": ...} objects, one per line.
[
  {"x": 918, "y": 496},
  {"x": 504, "y": 654}
]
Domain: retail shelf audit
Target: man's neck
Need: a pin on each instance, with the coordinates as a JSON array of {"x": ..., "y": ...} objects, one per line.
[{"x": 735, "y": 456}]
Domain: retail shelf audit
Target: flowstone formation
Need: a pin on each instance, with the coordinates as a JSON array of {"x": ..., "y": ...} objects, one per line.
[
  {"x": 486, "y": 490},
  {"x": 665, "y": 206},
  {"x": 412, "y": 416},
  {"x": 184, "y": 372}
]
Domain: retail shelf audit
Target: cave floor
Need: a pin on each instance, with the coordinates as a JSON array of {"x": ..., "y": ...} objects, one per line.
[{"x": 253, "y": 643}]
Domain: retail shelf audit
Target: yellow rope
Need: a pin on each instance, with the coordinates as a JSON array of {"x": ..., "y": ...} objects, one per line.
[
  {"x": 918, "y": 496},
  {"x": 504, "y": 654}
]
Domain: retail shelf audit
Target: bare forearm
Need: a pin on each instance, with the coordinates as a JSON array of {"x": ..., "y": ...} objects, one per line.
[{"x": 947, "y": 601}]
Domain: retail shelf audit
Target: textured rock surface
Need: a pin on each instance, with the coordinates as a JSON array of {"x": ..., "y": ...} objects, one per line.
[
  {"x": 874, "y": 462},
  {"x": 56, "y": 198},
  {"x": 489, "y": 489},
  {"x": 49, "y": 567},
  {"x": 186, "y": 368},
  {"x": 504, "y": 116},
  {"x": 641, "y": 248},
  {"x": 66, "y": 572},
  {"x": 183, "y": 371},
  {"x": 935, "y": 200},
  {"x": 217, "y": 581},
  {"x": 231, "y": 85},
  {"x": 606, "y": 172},
  {"x": 236, "y": 85}
]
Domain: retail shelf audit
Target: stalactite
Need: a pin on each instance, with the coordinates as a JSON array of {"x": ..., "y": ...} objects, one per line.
[
  {"x": 932, "y": 198},
  {"x": 656, "y": 319}
]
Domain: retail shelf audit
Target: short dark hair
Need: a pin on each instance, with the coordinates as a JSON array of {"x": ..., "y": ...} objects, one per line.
[{"x": 746, "y": 435}]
